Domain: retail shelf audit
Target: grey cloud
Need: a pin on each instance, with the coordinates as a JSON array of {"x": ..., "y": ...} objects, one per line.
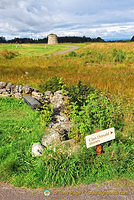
[{"x": 81, "y": 17}]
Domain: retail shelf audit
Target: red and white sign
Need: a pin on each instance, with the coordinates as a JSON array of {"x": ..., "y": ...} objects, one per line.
[{"x": 100, "y": 137}]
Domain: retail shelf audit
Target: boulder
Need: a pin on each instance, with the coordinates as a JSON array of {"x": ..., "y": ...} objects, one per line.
[
  {"x": 27, "y": 89},
  {"x": 5, "y": 94},
  {"x": 17, "y": 95},
  {"x": 10, "y": 86},
  {"x": 3, "y": 85},
  {"x": 37, "y": 95},
  {"x": 16, "y": 89},
  {"x": 57, "y": 100},
  {"x": 37, "y": 149},
  {"x": 2, "y": 90},
  {"x": 20, "y": 89},
  {"x": 52, "y": 138}
]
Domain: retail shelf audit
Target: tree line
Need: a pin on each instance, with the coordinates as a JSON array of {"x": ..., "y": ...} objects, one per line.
[{"x": 66, "y": 39}]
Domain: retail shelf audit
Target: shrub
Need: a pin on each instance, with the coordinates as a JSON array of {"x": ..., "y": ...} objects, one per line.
[
  {"x": 53, "y": 84},
  {"x": 98, "y": 112},
  {"x": 79, "y": 93},
  {"x": 72, "y": 54}
]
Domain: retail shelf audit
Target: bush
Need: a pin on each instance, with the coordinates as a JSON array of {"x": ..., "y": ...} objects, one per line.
[
  {"x": 79, "y": 93},
  {"x": 72, "y": 54},
  {"x": 53, "y": 84},
  {"x": 98, "y": 112}
]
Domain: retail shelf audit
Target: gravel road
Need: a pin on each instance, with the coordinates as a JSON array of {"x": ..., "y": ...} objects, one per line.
[
  {"x": 109, "y": 190},
  {"x": 66, "y": 51}
]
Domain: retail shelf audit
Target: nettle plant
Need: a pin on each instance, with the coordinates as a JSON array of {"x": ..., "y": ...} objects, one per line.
[{"x": 98, "y": 112}]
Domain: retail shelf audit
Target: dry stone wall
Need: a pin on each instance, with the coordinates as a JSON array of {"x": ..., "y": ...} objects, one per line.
[
  {"x": 59, "y": 128},
  {"x": 18, "y": 91}
]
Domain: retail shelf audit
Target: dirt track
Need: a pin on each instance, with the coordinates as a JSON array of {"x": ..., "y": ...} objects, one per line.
[
  {"x": 121, "y": 190},
  {"x": 66, "y": 51}
]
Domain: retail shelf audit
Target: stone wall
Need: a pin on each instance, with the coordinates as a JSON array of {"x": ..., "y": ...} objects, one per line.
[
  {"x": 59, "y": 128},
  {"x": 18, "y": 91}
]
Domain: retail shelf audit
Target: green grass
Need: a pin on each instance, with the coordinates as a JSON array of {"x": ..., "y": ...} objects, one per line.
[
  {"x": 20, "y": 127},
  {"x": 33, "y": 49}
]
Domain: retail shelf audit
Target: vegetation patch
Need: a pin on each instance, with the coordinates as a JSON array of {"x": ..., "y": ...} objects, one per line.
[
  {"x": 99, "y": 78},
  {"x": 20, "y": 127}
]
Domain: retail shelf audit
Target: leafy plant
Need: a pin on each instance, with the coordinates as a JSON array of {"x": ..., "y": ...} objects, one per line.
[
  {"x": 53, "y": 84},
  {"x": 79, "y": 93},
  {"x": 98, "y": 112},
  {"x": 45, "y": 113},
  {"x": 72, "y": 54}
]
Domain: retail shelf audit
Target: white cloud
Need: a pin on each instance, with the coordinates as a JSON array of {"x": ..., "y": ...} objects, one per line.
[{"x": 26, "y": 18}]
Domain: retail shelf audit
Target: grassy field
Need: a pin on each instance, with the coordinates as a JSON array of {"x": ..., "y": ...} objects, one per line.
[
  {"x": 32, "y": 49},
  {"x": 108, "y": 67}
]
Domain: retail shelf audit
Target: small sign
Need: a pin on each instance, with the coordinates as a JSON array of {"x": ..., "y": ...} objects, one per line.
[{"x": 100, "y": 137}]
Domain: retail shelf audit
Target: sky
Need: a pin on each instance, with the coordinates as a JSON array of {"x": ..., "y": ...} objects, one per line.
[{"x": 91, "y": 18}]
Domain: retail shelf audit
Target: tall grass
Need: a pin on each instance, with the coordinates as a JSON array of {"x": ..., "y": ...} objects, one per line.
[{"x": 107, "y": 66}]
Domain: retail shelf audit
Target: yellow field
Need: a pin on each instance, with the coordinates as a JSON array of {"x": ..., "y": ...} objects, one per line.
[{"x": 94, "y": 64}]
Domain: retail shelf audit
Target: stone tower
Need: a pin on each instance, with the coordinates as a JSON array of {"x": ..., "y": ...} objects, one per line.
[{"x": 52, "y": 39}]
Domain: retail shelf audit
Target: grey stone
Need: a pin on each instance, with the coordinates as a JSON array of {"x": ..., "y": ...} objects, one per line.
[
  {"x": 10, "y": 86},
  {"x": 37, "y": 95},
  {"x": 17, "y": 95},
  {"x": 69, "y": 143},
  {"x": 60, "y": 118},
  {"x": 57, "y": 100},
  {"x": 5, "y": 94},
  {"x": 3, "y": 85},
  {"x": 16, "y": 89},
  {"x": 35, "y": 90},
  {"x": 51, "y": 139},
  {"x": 37, "y": 149},
  {"x": 32, "y": 102},
  {"x": 27, "y": 89},
  {"x": 2, "y": 90},
  {"x": 20, "y": 89},
  {"x": 62, "y": 125},
  {"x": 48, "y": 93},
  {"x": 50, "y": 125}
]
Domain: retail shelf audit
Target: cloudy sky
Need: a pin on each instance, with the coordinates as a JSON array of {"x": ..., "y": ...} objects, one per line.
[{"x": 37, "y": 18}]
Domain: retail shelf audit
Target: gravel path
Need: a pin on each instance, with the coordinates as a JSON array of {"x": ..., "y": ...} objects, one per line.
[
  {"x": 66, "y": 51},
  {"x": 110, "y": 190}
]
